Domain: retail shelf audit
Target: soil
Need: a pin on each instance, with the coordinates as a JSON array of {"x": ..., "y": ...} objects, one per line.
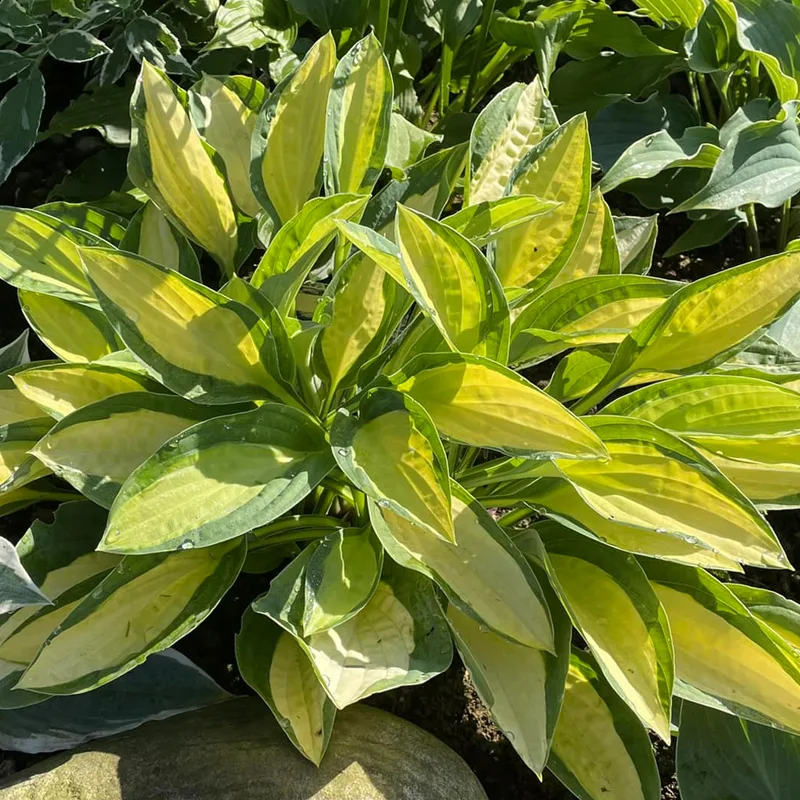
[{"x": 447, "y": 706}]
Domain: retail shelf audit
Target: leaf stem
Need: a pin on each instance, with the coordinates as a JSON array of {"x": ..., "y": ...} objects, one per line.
[
  {"x": 398, "y": 32},
  {"x": 383, "y": 23},
  {"x": 426, "y": 117},
  {"x": 444, "y": 76},
  {"x": 488, "y": 10},
  {"x": 598, "y": 394},
  {"x": 515, "y": 516},
  {"x": 692, "y": 77},
  {"x": 753, "y": 242},
  {"x": 706, "y": 94},
  {"x": 783, "y": 228}
]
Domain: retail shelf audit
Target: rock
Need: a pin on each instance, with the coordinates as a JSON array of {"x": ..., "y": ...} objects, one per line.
[{"x": 236, "y": 751}]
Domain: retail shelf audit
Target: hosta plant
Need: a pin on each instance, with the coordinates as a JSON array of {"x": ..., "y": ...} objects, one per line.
[{"x": 352, "y": 415}]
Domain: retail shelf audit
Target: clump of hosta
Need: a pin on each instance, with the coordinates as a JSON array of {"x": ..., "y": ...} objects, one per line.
[{"x": 349, "y": 444}]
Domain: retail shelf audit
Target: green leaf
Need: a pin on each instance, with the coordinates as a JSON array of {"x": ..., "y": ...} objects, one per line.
[
  {"x": 619, "y": 616},
  {"x": 169, "y": 162},
  {"x": 482, "y": 573},
  {"x": 683, "y": 12},
  {"x": 600, "y": 749},
  {"x": 98, "y": 221},
  {"x": 275, "y": 665},
  {"x": 14, "y": 354},
  {"x": 454, "y": 284},
  {"x": 165, "y": 685},
  {"x": 713, "y": 46},
  {"x": 478, "y": 402},
  {"x": 654, "y": 481},
  {"x": 60, "y": 389},
  {"x": 171, "y": 593},
  {"x": 659, "y": 151},
  {"x": 407, "y": 144},
  {"x": 722, "y": 756},
  {"x": 332, "y": 14},
  {"x": 557, "y": 168},
  {"x": 761, "y": 164},
  {"x": 228, "y": 128},
  {"x": 71, "y": 44},
  {"x": 152, "y": 236},
  {"x": 399, "y": 638},
  {"x": 11, "y": 64},
  {"x": 98, "y": 446},
  {"x": 341, "y": 576},
  {"x": 360, "y": 310},
  {"x": 247, "y": 23},
  {"x": 706, "y": 322},
  {"x": 256, "y": 465},
  {"x": 749, "y": 428},
  {"x": 17, "y": 467},
  {"x": 600, "y": 309},
  {"x": 150, "y": 40},
  {"x": 298, "y": 244},
  {"x": 358, "y": 119},
  {"x": 504, "y": 673},
  {"x": 778, "y": 613},
  {"x": 20, "y": 112},
  {"x": 289, "y": 138},
  {"x": 75, "y": 333},
  {"x": 18, "y": 590},
  {"x": 485, "y": 220},
  {"x": 193, "y": 340},
  {"x": 636, "y": 241},
  {"x": 512, "y": 123},
  {"x": 393, "y": 453},
  {"x": 724, "y": 657}
]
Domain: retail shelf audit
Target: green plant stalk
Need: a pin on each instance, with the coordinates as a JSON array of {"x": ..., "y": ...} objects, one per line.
[
  {"x": 444, "y": 76},
  {"x": 394, "y": 41},
  {"x": 426, "y": 117},
  {"x": 488, "y": 10},
  {"x": 753, "y": 242},
  {"x": 695, "y": 94},
  {"x": 783, "y": 227},
  {"x": 515, "y": 516},
  {"x": 755, "y": 78},
  {"x": 707, "y": 101},
  {"x": 598, "y": 394},
  {"x": 383, "y": 23}
]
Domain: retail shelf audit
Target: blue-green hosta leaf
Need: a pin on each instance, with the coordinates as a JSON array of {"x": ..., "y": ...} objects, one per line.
[
  {"x": 713, "y": 45},
  {"x": 299, "y": 243},
  {"x": 761, "y": 164},
  {"x": 725, "y": 658},
  {"x": 171, "y": 164},
  {"x": 288, "y": 142},
  {"x": 358, "y": 119},
  {"x": 636, "y": 242},
  {"x": 708, "y": 229},
  {"x": 454, "y": 284},
  {"x": 142, "y": 606},
  {"x": 393, "y": 453},
  {"x": 399, "y": 638},
  {"x": 659, "y": 151},
  {"x": 331, "y": 14},
  {"x": 256, "y": 465},
  {"x": 720, "y": 755},
  {"x": 20, "y": 112},
  {"x": 276, "y": 666},
  {"x": 600, "y": 749},
  {"x": 106, "y": 110},
  {"x": 18, "y": 590},
  {"x": 165, "y": 685},
  {"x": 770, "y": 29},
  {"x": 453, "y": 19},
  {"x": 96, "y": 447},
  {"x": 194, "y": 340},
  {"x": 11, "y": 64},
  {"x": 619, "y": 616},
  {"x": 14, "y": 354}
]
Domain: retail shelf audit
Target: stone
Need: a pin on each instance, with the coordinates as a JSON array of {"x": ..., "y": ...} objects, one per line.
[{"x": 236, "y": 751}]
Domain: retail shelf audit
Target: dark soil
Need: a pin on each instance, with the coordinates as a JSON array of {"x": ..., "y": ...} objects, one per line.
[{"x": 447, "y": 706}]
